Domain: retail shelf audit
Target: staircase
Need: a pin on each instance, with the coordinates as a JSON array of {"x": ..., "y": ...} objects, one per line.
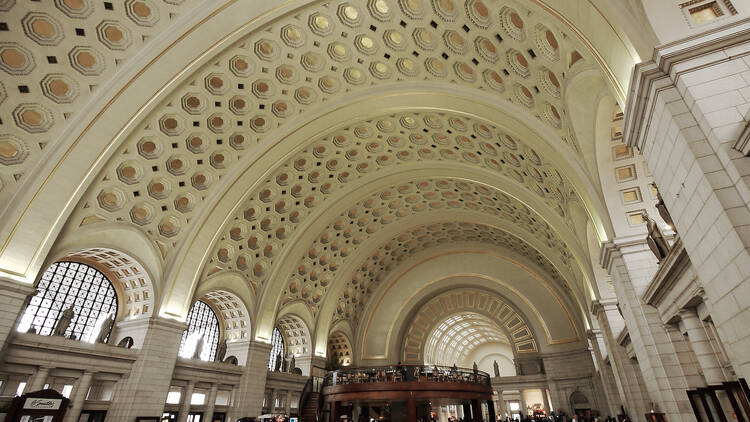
[
  {"x": 309, "y": 410},
  {"x": 309, "y": 400}
]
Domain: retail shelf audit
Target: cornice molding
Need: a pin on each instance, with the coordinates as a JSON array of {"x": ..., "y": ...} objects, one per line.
[
  {"x": 624, "y": 337},
  {"x": 601, "y": 305},
  {"x": 669, "y": 272},
  {"x": 743, "y": 142},
  {"x": 655, "y": 75}
]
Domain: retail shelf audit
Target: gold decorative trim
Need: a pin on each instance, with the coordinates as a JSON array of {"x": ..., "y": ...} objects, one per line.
[{"x": 548, "y": 336}]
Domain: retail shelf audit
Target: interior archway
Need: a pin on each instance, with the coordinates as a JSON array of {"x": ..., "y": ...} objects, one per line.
[{"x": 457, "y": 339}]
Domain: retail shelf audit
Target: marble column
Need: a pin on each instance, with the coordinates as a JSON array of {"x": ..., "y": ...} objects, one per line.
[
  {"x": 545, "y": 400},
  {"x": 208, "y": 413},
  {"x": 632, "y": 266},
  {"x": 288, "y": 403},
  {"x": 272, "y": 407},
  {"x": 704, "y": 353},
  {"x": 144, "y": 391},
  {"x": 187, "y": 396},
  {"x": 248, "y": 400},
  {"x": 39, "y": 379},
  {"x": 524, "y": 410},
  {"x": 501, "y": 408},
  {"x": 78, "y": 397}
]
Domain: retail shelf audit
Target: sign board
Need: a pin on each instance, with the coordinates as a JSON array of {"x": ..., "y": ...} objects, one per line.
[{"x": 37, "y": 403}]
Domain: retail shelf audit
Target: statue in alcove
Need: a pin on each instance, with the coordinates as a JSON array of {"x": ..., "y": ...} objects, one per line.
[
  {"x": 663, "y": 211},
  {"x": 655, "y": 239},
  {"x": 496, "y": 367},
  {"x": 277, "y": 367},
  {"x": 105, "y": 329},
  {"x": 292, "y": 364},
  {"x": 198, "y": 348},
  {"x": 221, "y": 351},
  {"x": 64, "y": 322}
]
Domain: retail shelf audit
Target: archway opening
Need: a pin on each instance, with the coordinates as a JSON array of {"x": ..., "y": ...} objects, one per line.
[
  {"x": 465, "y": 338},
  {"x": 73, "y": 300},
  {"x": 201, "y": 339}
]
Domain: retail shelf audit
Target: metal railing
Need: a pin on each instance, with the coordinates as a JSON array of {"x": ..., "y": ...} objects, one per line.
[{"x": 406, "y": 373}]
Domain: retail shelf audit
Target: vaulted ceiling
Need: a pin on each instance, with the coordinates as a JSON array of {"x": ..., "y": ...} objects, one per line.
[{"x": 306, "y": 149}]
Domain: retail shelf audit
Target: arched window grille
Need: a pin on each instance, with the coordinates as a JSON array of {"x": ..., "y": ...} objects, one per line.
[
  {"x": 203, "y": 326},
  {"x": 277, "y": 349},
  {"x": 64, "y": 284}
]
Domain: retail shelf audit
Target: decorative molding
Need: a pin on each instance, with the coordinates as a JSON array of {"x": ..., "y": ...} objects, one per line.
[
  {"x": 668, "y": 274},
  {"x": 743, "y": 142},
  {"x": 651, "y": 77},
  {"x": 623, "y": 339}
]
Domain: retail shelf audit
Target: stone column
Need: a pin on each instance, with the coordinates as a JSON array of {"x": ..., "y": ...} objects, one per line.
[
  {"x": 144, "y": 392},
  {"x": 632, "y": 266},
  {"x": 687, "y": 114},
  {"x": 187, "y": 396},
  {"x": 13, "y": 296},
  {"x": 524, "y": 411},
  {"x": 78, "y": 397},
  {"x": 501, "y": 403},
  {"x": 609, "y": 385},
  {"x": 704, "y": 353},
  {"x": 311, "y": 365},
  {"x": 39, "y": 379},
  {"x": 208, "y": 413},
  {"x": 274, "y": 394},
  {"x": 252, "y": 388},
  {"x": 611, "y": 324},
  {"x": 545, "y": 400},
  {"x": 288, "y": 406},
  {"x": 231, "y": 405}
]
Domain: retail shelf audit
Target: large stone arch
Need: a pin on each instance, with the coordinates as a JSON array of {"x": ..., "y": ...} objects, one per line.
[
  {"x": 302, "y": 248},
  {"x": 533, "y": 253},
  {"x": 294, "y": 324},
  {"x": 125, "y": 256},
  {"x": 199, "y": 255},
  {"x": 199, "y": 20},
  {"x": 427, "y": 316},
  {"x": 455, "y": 266}
]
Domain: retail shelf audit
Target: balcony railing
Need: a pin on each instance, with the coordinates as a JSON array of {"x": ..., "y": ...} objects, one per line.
[{"x": 406, "y": 373}]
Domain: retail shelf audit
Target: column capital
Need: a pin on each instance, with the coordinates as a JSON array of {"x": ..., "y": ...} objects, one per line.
[
  {"x": 155, "y": 322},
  {"x": 603, "y": 305},
  {"x": 13, "y": 286},
  {"x": 687, "y": 313}
]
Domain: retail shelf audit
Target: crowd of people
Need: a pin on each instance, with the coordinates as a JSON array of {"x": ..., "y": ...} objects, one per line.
[
  {"x": 400, "y": 373},
  {"x": 562, "y": 417}
]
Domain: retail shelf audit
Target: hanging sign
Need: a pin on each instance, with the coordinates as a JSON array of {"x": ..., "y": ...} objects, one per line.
[{"x": 42, "y": 403}]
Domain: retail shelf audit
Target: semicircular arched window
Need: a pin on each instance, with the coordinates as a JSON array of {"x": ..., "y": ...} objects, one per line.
[
  {"x": 277, "y": 350},
  {"x": 68, "y": 284},
  {"x": 202, "y": 333}
]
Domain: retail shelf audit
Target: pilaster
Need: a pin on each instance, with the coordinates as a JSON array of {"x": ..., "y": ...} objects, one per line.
[
  {"x": 249, "y": 397},
  {"x": 687, "y": 113},
  {"x": 13, "y": 298},
  {"x": 632, "y": 266},
  {"x": 144, "y": 392}
]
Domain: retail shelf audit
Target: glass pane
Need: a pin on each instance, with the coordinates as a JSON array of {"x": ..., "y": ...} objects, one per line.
[
  {"x": 203, "y": 327},
  {"x": 61, "y": 286}
]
